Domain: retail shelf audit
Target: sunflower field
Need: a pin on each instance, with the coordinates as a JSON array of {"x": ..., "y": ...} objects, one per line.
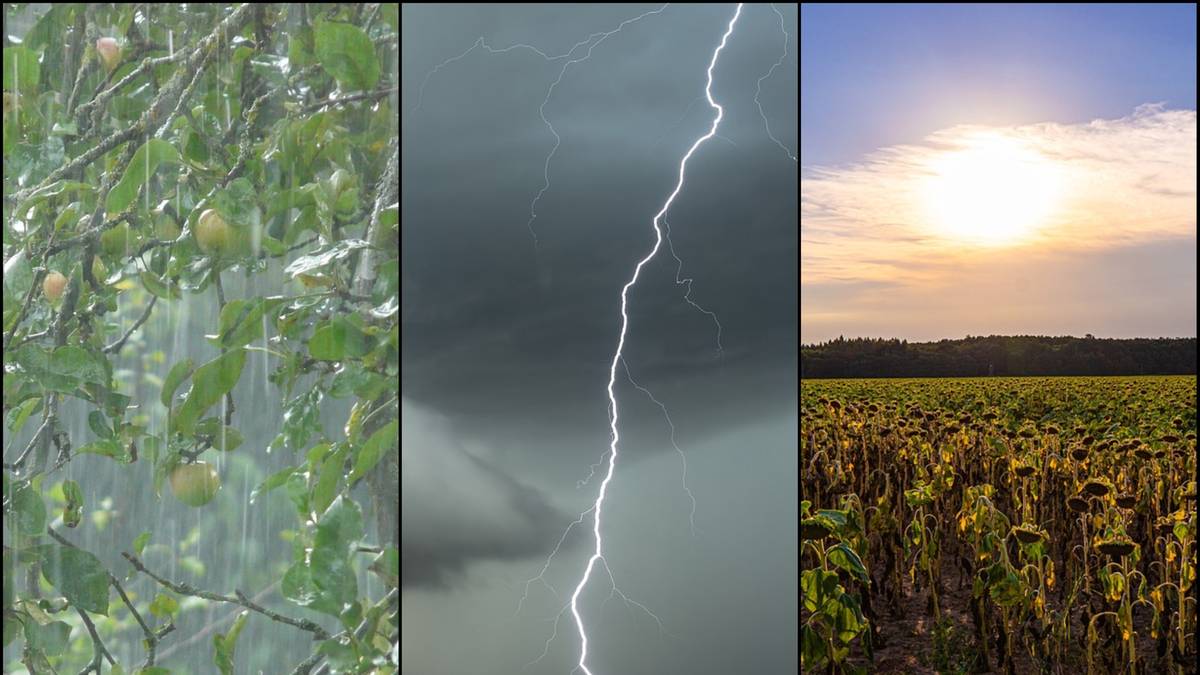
[{"x": 1008, "y": 525}]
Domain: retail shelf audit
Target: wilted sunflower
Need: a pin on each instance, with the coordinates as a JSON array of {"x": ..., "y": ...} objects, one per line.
[
  {"x": 814, "y": 528},
  {"x": 1095, "y": 487},
  {"x": 1077, "y": 504},
  {"x": 1126, "y": 501},
  {"x": 1027, "y": 534},
  {"x": 1117, "y": 547}
]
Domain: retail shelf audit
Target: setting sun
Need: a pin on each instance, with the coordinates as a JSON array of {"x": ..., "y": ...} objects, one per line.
[{"x": 994, "y": 191}]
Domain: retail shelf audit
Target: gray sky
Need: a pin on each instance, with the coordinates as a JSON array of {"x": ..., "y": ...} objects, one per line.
[{"x": 506, "y": 346}]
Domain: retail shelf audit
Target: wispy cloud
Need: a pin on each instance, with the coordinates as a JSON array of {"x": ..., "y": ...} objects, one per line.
[
  {"x": 1115, "y": 255},
  {"x": 1123, "y": 182}
]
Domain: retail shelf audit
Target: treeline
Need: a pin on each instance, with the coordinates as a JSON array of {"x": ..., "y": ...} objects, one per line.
[{"x": 998, "y": 355}]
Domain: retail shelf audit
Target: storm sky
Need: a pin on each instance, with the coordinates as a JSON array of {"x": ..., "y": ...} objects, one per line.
[{"x": 507, "y": 344}]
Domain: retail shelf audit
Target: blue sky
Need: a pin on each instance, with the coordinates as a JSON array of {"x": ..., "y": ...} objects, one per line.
[
  {"x": 994, "y": 169},
  {"x": 876, "y": 75}
]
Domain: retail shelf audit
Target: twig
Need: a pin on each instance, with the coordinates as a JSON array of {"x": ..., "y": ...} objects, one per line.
[
  {"x": 152, "y": 638},
  {"x": 377, "y": 94},
  {"x": 385, "y": 193},
  {"x": 98, "y": 649},
  {"x": 360, "y": 632},
  {"x": 186, "y": 589},
  {"x": 116, "y": 346},
  {"x": 203, "y": 632},
  {"x": 33, "y": 288}
]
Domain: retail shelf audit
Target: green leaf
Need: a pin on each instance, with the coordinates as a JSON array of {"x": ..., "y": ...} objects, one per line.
[
  {"x": 242, "y": 321},
  {"x": 306, "y": 264},
  {"x": 338, "y": 339},
  {"x": 143, "y": 165},
  {"x": 340, "y": 526},
  {"x": 346, "y": 52},
  {"x": 328, "y": 343},
  {"x": 79, "y": 576},
  {"x": 50, "y": 639},
  {"x": 334, "y": 580},
  {"x": 387, "y": 566},
  {"x": 73, "y": 510},
  {"x": 18, "y": 416},
  {"x": 227, "y": 439},
  {"x": 327, "y": 481},
  {"x": 373, "y": 450},
  {"x": 22, "y": 70},
  {"x": 845, "y": 557},
  {"x": 340, "y": 653},
  {"x": 31, "y": 510},
  {"x": 61, "y": 370},
  {"x": 164, "y": 606},
  {"x": 273, "y": 481},
  {"x": 139, "y": 544},
  {"x": 223, "y": 645},
  {"x": 158, "y": 287},
  {"x": 238, "y": 204},
  {"x": 179, "y": 373},
  {"x": 210, "y": 382},
  {"x": 99, "y": 425},
  {"x": 108, "y": 448}
]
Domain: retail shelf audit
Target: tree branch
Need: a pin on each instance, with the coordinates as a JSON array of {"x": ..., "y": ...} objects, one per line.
[
  {"x": 98, "y": 649},
  {"x": 186, "y": 589},
  {"x": 116, "y": 346},
  {"x": 152, "y": 638}
]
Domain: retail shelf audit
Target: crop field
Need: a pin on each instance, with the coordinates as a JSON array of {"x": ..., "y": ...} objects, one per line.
[{"x": 1007, "y": 525}]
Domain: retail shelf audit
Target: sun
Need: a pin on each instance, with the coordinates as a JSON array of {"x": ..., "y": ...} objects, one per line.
[{"x": 995, "y": 191}]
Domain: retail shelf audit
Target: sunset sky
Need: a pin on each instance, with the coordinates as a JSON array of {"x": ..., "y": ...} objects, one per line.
[{"x": 997, "y": 169}]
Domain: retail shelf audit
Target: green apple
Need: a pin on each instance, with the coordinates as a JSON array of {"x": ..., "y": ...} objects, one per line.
[
  {"x": 110, "y": 52},
  {"x": 53, "y": 286},
  {"x": 118, "y": 241},
  {"x": 212, "y": 233},
  {"x": 195, "y": 484}
]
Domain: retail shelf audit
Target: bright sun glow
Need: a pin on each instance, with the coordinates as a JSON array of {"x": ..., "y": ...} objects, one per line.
[{"x": 995, "y": 191}]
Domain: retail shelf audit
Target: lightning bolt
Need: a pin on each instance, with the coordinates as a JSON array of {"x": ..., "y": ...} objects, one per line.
[
  {"x": 598, "y": 507},
  {"x": 662, "y": 231},
  {"x": 758, "y": 90},
  {"x": 542, "y": 113}
]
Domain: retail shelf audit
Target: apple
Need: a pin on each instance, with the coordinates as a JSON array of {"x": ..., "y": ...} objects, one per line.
[
  {"x": 110, "y": 52},
  {"x": 118, "y": 241},
  {"x": 53, "y": 286},
  {"x": 195, "y": 484},
  {"x": 212, "y": 233}
]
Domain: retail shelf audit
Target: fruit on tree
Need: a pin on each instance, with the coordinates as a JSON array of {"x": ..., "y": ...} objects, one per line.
[
  {"x": 212, "y": 233},
  {"x": 117, "y": 241},
  {"x": 195, "y": 484},
  {"x": 110, "y": 52},
  {"x": 53, "y": 286}
]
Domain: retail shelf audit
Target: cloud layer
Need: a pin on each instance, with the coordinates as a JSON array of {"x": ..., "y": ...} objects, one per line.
[
  {"x": 1124, "y": 185},
  {"x": 458, "y": 507}
]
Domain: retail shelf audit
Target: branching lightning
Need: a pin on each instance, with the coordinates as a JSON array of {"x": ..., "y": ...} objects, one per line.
[
  {"x": 617, "y": 356},
  {"x": 591, "y": 41},
  {"x": 662, "y": 230},
  {"x": 758, "y": 90},
  {"x": 542, "y": 113}
]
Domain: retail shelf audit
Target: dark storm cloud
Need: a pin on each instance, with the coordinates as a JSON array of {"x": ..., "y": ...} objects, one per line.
[
  {"x": 459, "y": 507},
  {"x": 493, "y": 325}
]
